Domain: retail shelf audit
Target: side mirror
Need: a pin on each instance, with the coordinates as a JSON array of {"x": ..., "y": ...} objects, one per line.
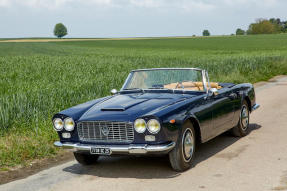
[
  {"x": 213, "y": 92},
  {"x": 114, "y": 91}
]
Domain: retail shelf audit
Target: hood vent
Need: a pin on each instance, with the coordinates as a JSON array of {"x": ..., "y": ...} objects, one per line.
[
  {"x": 113, "y": 109},
  {"x": 122, "y": 105}
]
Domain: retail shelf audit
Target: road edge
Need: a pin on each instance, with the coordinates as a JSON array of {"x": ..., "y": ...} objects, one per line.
[{"x": 35, "y": 166}]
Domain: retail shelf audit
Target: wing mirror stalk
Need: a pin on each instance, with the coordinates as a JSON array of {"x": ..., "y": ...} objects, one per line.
[{"x": 213, "y": 92}]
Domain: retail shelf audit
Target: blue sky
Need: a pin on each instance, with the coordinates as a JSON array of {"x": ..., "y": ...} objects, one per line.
[{"x": 133, "y": 18}]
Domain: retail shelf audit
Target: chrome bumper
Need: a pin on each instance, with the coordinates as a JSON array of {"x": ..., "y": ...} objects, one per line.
[
  {"x": 119, "y": 149},
  {"x": 255, "y": 106}
]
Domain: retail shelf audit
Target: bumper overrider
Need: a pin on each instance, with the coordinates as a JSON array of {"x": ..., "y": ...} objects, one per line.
[
  {"x": 254, "y": 107},
  {"x": 120, "y": 149}
]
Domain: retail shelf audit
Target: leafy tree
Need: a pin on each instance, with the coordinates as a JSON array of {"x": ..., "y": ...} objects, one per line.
[
  {"x": 284, "y": 27},
  {"x": 262, "y": 27},
  {"x": 279, "y": 26},
  {"x": 240, "y": 32},
  {"x": 249, "y": 31},
  {"x": 60, "y": 30},
  {"x": 206, "y": 33}
]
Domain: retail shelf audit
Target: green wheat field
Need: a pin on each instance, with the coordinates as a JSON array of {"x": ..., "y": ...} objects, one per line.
[{"x": 39, "y": 79}]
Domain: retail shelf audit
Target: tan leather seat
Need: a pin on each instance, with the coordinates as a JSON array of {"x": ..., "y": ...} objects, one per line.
[
  {"x": 193, "y": 86},
  {"x": 212, "y": 85},
  {"x": 170, "y": 86}
]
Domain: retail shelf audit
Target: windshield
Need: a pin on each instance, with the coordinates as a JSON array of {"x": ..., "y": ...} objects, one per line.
[{"x": 186, "y": 79}]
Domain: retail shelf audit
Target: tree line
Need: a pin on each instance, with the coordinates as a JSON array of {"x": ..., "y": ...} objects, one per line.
[
  {"x": 265, "y": 26},
  {"x": 261, "y": 26}
]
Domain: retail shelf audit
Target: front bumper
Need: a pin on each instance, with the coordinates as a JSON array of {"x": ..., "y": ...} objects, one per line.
[{"x": 121, "y": 149}]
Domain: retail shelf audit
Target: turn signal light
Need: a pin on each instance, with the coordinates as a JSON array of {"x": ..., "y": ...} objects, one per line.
[{"x": 172, "y": 121}]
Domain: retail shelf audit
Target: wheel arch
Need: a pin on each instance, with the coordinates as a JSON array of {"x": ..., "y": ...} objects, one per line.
[
  {"x": 247, "y": 99},
  {"x": 196, "y": 127}
]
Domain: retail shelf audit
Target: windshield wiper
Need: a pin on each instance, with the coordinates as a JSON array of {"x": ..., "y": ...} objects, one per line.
[{"x": 132, "y": 89}]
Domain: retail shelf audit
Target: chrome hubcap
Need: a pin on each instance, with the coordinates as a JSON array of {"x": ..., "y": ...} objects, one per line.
[
  {"x": 244, "y": 117},
  {"x": 188, "y": 144}
]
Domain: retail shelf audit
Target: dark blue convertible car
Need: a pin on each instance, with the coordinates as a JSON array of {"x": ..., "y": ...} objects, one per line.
[{"x": 166, "y": 111}]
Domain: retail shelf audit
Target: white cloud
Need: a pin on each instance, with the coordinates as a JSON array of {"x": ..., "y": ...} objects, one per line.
[
  {"x": 197, "y": 5},
  {"x": 4, "y": 3},
  {"x": 55, "y": 4},
  {"x": 146, "y": 3},
  {"x": 186, "y": 5},
  {"x": 51, "y": 4},
  {"x": 265, "y": 3}
]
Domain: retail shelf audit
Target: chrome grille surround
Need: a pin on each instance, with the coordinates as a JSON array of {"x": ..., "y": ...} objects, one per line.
[{"x": 94, "y": 131}]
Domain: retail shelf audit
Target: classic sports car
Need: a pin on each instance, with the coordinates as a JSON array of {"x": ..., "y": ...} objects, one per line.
[{"x": 157, "y": 111}]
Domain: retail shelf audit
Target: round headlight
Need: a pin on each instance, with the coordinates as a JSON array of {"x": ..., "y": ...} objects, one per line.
[
  {"x": 69, "y": 124},
  {"x": 153, "y": 126},
  {"x": 58, "y": 124},
  {"x": 140, "y": 125}
]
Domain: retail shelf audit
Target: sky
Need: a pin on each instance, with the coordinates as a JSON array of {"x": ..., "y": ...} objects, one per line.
[{"x": 133, "y": 18}]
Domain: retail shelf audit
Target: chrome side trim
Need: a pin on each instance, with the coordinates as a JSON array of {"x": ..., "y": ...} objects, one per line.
[
  {"x": 120, "y": 149},
  {"x": 255, "y": 106}
]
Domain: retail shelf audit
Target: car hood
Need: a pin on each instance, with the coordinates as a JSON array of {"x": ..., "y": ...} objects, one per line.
[{"x": 123, "y": 107}]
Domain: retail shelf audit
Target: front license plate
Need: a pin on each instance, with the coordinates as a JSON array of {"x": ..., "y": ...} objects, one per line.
[{"x": 100, "y": 151}]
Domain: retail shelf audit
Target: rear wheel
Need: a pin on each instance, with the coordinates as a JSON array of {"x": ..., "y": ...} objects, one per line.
[
  {"x": 182, "y": 155},
  {"x": 241, "y": 129},
  {"x": 86, "y": 159}
]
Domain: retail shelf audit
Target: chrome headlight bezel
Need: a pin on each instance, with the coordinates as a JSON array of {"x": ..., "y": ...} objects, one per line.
[
  {"x": 69, "y": 124},
  {"x": 58, "y": 124},
  {"x": 140, "y": 125},
  {"x": 151, "y": 126}
]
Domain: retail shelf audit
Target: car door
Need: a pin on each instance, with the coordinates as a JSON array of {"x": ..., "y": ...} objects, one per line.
[
  {"x": 223, "y": 110},
  {"x": 203, "y": 112}
]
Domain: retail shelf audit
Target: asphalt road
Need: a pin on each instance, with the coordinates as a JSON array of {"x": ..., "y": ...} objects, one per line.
[{"x": 256, "y": 162}]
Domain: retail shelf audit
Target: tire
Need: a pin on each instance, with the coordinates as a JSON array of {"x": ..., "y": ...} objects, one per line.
[
  {"x": 241, "y": 129},
  {"x": 85, "y": 159},
  {"x": 179, "y": 160}
]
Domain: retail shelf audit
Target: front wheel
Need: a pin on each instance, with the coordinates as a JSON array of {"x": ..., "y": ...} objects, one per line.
[
  {"x": 182, "y": 155},
  {"x": 86, "y": 159},
  {"x": 241, "y": 129}
]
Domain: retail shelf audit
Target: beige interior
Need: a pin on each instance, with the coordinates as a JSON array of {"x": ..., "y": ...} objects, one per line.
[{"x": 193, "y": 86}]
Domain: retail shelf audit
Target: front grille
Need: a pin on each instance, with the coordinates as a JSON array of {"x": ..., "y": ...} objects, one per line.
[{"x": 105, "y": 131}]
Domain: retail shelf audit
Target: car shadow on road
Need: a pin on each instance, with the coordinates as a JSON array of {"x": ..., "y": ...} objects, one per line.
[{"x": 151, "y": 167}]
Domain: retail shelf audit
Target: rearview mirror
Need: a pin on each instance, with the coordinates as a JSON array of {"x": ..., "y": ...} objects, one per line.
[
  {"x": 114, "y": 91},
  {"x": 213, "y": 92}
]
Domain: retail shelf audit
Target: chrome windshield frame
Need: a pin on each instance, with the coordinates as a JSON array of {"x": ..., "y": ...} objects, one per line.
[
  {"x": 204, "y": 75},
  {"x": 147, "y": 69},
  {"x": 209, "y": 87}
]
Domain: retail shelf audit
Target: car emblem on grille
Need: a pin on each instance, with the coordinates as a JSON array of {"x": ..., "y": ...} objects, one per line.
[{"x": 105, "y": 130}]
